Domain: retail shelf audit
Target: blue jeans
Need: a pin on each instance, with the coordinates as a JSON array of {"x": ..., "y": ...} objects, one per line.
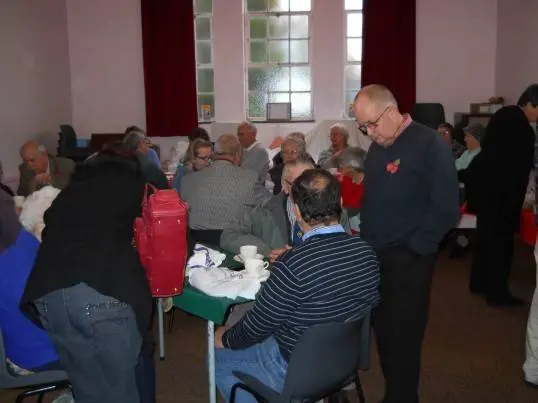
[
  {"x": 97, "y": 340},
  {"x": 263, "y": 361}
]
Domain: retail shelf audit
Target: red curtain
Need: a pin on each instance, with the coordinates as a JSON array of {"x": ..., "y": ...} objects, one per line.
[
  {"x": 389, "y": 48},
  {"x": 169, "y": 67}
]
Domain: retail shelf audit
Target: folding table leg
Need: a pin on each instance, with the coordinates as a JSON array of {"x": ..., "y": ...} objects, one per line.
[
  {"x": 160, "y": 315},
  {"x": 211, "y": 359}
]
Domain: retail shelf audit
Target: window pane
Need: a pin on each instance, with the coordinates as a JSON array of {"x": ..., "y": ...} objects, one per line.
[
  {"x": 299, "y": 51},
  {"x": 256, "y": 104},
  {"x": 203, "y": 100},
  {"x": 203, "y": 6},
  {"x": 279, "y": 97},
  {"x": 203, "y": 28},
  {"x": 258, "y": 28},
  {"x": 278, "y": 79},
  {"x": 205, "y": 80},
  {"x": 301, "y": 105},
  {"x": 279, "y": 51},
  {"x": 354, "y": 50},
  {"x": 257, "y": 5},
  {"x": 203, "y": 52},
  {"x": 300, "y": 5},
  {"x": 300, "y": 79},
  {"x": 258, "y": 51},
  {"x": 299, "y": 26},
  {"x": 353, "y": 5},
  {"x": 279, "y": 5},
  {"x": 352, "y": 77},
  {"x": 350, "y": 96},
  {"x": 279, "y": 27},
  {"x": 354, "y": 24}
]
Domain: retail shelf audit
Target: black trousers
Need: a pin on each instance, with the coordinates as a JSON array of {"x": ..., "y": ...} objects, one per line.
[
  {"x": 493, "y": 257},
  {"x": 400, "y": 319}
]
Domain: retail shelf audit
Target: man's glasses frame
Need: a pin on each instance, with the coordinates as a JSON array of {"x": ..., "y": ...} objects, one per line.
[{"x": 363, "y": 127}]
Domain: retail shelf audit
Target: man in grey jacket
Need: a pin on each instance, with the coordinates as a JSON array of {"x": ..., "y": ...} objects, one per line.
[
  {"x": 266, "y": 226},
  {"x": 254, "y": 155}
]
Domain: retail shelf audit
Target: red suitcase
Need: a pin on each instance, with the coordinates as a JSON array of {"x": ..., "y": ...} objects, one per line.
[{"x": 161, "y": 241}]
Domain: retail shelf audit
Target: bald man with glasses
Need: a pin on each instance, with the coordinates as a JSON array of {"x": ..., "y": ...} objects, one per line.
[{"x": 410, "y": 202}]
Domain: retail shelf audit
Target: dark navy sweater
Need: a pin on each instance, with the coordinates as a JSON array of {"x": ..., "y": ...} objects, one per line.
[
  {"x": 410, "y": 192},
  {"x": 329, "y": 278}
]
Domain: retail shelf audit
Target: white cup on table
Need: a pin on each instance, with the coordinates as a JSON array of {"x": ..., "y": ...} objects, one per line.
[
  {"x": 255, "y": 267},
  {"x": 248, "y": 252}
]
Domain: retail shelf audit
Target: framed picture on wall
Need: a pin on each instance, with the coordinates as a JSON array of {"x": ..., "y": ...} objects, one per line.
[{"x": 279, "y": 111}]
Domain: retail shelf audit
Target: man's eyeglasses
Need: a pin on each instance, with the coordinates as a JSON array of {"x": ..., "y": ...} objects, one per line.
[
  {"x": 209, "y": 158},
  {"x": 363, "y": 127}
]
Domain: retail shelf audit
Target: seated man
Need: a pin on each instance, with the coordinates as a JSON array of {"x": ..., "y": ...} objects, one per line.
[
  {"x": 254, "y": 155},
  {"x": 266, "y": 226},
  {"x": 331, "y": 277},
  {"x": 221, "y": 193},
  {"x": 28, "y": 347},
  {"x": 41, "y": 169}
]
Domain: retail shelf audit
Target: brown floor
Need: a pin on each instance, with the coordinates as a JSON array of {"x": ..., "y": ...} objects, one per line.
[{"x": 472, "y": 353}]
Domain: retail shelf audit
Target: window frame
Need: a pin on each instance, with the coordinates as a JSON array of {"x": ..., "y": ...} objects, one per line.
[
  {"x": 204, "y": 66},
  {"x": 248, "y": 64},
  {"x": 347, "y": 112}
]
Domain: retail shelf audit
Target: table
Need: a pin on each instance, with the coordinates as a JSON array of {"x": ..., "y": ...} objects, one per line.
[{"x": 214, "y": 310}]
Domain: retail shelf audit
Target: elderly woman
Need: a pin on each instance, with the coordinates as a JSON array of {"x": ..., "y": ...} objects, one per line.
[
  {"x": 200, "y": 155},
  {"x": 351, "y": 168},
  {"x": 292, "y": 148},
  {"x": 446, "y": 130},
  {"x": 28, "y": 347},
  {"x": 88, "y": 286},
  {"x": 339, "y": 136},
  {"x": 135, "y": 143},
  {"x": 149, "y": 152}
]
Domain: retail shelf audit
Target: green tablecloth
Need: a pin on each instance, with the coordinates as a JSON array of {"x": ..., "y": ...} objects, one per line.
[{"x": 210, "y": 308}]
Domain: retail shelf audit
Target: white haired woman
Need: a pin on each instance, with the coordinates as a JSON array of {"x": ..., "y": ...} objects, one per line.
[{"x": 339, "y": 136}]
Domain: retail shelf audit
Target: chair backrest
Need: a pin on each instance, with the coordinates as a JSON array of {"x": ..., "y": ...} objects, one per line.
[
  {"x": 68, "y": 139},
  {"x": 327, "y": 356},
  {"x": 429, "y": 114}
]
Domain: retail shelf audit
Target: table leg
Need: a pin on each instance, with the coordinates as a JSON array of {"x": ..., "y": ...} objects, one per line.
[
  {"x": 211, "y": 359},
  {"x": 160, "y": 315}
]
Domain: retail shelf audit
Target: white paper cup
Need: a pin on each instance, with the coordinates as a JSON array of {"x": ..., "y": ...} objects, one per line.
[
  {"x": 248, "y": 252},
  {"x": 255, "y": 267}
]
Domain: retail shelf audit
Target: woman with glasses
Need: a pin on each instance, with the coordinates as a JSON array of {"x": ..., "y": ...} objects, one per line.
[
  {"x": 339, "y": 137},
  {"x": 200, "y": 157}
]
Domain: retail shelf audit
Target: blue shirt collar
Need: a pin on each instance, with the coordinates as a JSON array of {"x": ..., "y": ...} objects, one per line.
[{"x": 330, "y": 229}]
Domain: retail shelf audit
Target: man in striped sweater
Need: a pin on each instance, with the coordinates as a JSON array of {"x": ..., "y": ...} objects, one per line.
[{"x": 330, "y": 277}]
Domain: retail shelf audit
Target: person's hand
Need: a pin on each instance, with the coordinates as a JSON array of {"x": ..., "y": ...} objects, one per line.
[
  {"x": 43, "y": 179},
  {"x": 218, "y": 336},
  {"x": 276, "y": 253}
]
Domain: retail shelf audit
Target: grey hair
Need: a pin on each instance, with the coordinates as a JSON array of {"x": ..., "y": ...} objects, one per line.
[
  {"x": 132, "y": 140},
  {"x": 227, "y": 144},
  {"x": 342, "y": 129},
  {"x": 352, "y": 157},
  {"x": 302, "y": 162},
  {"x": 250, "y": 126},
  {"x": 300, "y": 136},
  {"x": 296, "y": 141}
]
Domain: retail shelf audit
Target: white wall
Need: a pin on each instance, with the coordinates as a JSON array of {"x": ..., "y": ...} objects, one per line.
[
  {"x": 456, "y": 50},
  {"x": 107, "y": 75},
  {"x": 517, "y": 53},
  {"x": 34, "y": 76}
]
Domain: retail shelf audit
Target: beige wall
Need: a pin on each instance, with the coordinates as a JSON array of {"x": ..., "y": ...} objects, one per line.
[{"x": 34, "y": 75}]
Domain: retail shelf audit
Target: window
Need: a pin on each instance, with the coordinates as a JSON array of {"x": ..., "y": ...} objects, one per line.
[
  {"x": 203, "y": 35},
  {"x": 278, "y": 56},
  {"x": 352, "y": 66}
]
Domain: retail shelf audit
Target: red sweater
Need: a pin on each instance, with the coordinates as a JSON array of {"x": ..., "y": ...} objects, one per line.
[{"x": 351, "y": 192}]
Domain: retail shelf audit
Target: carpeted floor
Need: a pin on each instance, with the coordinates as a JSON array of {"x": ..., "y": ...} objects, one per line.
[{"x": 472, "y": 353}]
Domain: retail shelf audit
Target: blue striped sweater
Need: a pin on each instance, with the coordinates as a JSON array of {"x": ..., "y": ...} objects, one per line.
[{"x": 329, "y": 278}]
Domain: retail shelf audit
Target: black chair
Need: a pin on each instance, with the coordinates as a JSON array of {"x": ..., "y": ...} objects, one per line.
[
  {"x": 36, "y": 384},
  {"x": 67, "y": 145},
  {"x": 429, "y": 114},
  {"x": 326, "y": 358}
]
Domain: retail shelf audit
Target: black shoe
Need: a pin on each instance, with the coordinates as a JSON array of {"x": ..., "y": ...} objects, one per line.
[
  {"x": 530, "y": 384},
  {"x": 506, "y": 301}
]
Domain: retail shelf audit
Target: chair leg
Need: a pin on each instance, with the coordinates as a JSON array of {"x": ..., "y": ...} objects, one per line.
[
  {"x": 360, "y": 391},
  {"x": 171, "y": 319},
  {"x": 40, "y": 397}
]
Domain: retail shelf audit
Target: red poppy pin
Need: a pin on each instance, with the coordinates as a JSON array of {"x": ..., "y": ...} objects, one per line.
[{"x": 392, "y": 167}]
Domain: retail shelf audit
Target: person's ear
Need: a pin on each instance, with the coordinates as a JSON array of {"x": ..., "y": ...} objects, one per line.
[{"x": 297, "y": 213}]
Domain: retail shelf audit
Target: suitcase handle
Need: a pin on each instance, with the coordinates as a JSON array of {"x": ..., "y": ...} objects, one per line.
[{"x": 148, "y": 186}]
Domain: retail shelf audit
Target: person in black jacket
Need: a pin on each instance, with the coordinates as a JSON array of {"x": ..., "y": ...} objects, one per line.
[
  {"x": 502, "y": 175},
  {"x": 89, "y": 287}
]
